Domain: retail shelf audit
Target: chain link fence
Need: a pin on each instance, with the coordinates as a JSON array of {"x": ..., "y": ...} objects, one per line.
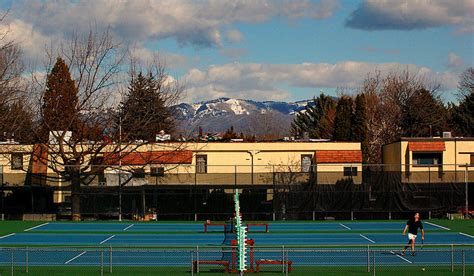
[
  {"x": 276, "y": 192},
  {"x": 354, "y": 260}
]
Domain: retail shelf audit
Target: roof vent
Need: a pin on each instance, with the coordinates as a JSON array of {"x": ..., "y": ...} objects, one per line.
[{"x": 447, "y": 134}]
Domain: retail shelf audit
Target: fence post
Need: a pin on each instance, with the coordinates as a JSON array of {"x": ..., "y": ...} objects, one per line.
[
  {"x": 452, "y": 258},
  {"x": 273, "y": 216},
  {"x": 373, "y": 252},
  {"x": 110, "y": 259},
  {"x": 314, "y": 215},
  {"x": 368, "y": 258},
  {"x": 26, "y": 259},
  {"x": 352, "y": 215},
  {"x": 197, "y": 258},
  {"x": 101, "y": 262},
  {"x": 463, "y": 263},
  {"x": 13, "y": 261},
  {"x": 286, "y": 263},
  {"x": 192, "y": 263},
  {"x": 283, "y": 259}
]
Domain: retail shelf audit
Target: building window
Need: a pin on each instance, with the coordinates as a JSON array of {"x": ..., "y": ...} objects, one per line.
[
  {"x": 17, "y": 161},
  {"x": 427, "y": 158},
  {"x": 350, "y": 171},
  {"x": 138, "y": 173},
  {"x": 201, "y": 163},
  {"x": 157, "y": 171},
  {"x": 306, "y": 162},
  {"x": 472, "y": 159}
]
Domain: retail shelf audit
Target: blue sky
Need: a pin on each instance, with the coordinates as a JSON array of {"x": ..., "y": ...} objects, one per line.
[{"x": 267, "y": 50}]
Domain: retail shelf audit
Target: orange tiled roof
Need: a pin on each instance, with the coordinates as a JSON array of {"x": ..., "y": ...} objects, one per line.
[
  {"x": 150, "y": 157},
  {"x": 426, "y": 146},
  {"x": 338, "y": 156}
]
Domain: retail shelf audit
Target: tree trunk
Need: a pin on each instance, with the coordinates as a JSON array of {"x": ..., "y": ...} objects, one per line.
[{"x": 75, "y": 195}]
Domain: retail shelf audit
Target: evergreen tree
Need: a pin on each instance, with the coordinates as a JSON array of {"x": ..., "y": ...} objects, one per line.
[
  {"x": 60, "y": 100},
  {"x": 143, "y": 111},
  {"x": 317, "y": 120},
  {"x": 360, "y": 128},
  {"x": 462, "y": 116},
  {"x": 343, "y": 119},
  {"x": 229, "y": 134},
  {"x": 423, "y": 114}
]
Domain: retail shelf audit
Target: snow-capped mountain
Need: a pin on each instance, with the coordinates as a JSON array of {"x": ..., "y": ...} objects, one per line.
[{"x": 219, "y": 114}]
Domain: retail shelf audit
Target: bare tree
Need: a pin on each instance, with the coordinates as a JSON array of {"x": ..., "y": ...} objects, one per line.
[
  {"x": 466, "y": 84},
  {"x": 15, "y": 116},
  {"x": 397, "y": 106},
  {"x": 96, "y": 63},
  {"x": 270, "y": 125}
]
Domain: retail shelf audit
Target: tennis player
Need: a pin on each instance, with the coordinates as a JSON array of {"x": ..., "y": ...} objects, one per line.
[{"x": 412, "y": 226}]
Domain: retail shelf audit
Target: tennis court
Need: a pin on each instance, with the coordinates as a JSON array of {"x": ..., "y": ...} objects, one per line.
[{"x": 176, "y": 245}]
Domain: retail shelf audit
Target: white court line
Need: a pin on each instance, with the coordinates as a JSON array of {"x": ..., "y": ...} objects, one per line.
[
  {"x": 401, "y": 257},
  {"x": 7, "y": 235},
  {"x": 467, "y": 235},
  {"x": 367, "y": 238},
  {"x": 107, "y": 239},
  {"x": 436, "y": 225},
  {"x": 80, "y": 254},
  {"x": 37, "y": 226},
  {"x": 345, "y": 226},
  {"x": 128, "y": 227}
]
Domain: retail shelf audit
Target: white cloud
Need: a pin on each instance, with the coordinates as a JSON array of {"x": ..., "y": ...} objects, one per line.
[
  {"x": 189, "y": 22},
  {"x": 234, "y": 36},
  {"x": 263, "y": 81},
  {"x": 413, "y": 14},
  {"x": 455, "y": 61}
]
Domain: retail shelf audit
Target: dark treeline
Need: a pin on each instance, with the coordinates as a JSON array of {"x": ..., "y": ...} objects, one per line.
[{"x": 386, "y": 108}]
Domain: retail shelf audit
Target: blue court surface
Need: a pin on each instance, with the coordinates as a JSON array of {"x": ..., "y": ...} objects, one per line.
[
  {"x": 310, "y": 239},
  {"x": 178, "y": 248},
  {"x": 198, "y": 227}
]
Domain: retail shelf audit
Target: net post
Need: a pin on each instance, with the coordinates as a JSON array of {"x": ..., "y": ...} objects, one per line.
[
  {"x": 452, "y": 258},
  {"x": 110, "y": 259}
]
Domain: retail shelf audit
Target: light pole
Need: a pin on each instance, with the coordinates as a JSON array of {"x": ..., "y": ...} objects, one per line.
[{"x": 120, "y": 168}]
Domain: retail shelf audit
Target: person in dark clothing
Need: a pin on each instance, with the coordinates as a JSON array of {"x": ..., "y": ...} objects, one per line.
[{"x": 412, "y": 226}]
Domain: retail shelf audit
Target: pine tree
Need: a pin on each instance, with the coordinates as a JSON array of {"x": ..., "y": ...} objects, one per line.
[
  {"x": 60, "y": 100},
  {"x": 462, "y": 116},
  {"x": 343, "y": 120},
  {"x": 317, "y": 119},
  {"x": 423, "y": 114},
  {"x": 360, "y": 128},
  {"x": 143, "y": 111}
]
